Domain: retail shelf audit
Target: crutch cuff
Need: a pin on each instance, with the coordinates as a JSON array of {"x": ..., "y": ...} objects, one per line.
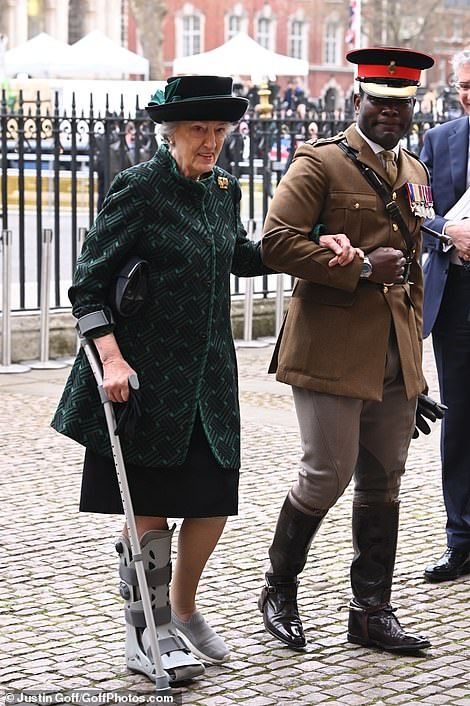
[{"x": 96, "y": 323}]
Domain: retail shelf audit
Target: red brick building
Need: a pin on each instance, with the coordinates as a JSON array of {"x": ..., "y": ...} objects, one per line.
[
  {"x": 316, "y": 30},
  {"x": 313, "y": 30}
]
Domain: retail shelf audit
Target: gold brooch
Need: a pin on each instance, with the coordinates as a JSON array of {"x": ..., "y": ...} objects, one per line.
[{"x": 222, "y": 182}]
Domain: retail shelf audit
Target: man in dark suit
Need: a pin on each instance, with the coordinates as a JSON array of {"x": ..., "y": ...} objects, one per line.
[{"x": 447, "y": 315}]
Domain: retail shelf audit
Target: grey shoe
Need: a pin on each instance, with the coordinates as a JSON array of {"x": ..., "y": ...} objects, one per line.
[{"x": 202, "y": 640}]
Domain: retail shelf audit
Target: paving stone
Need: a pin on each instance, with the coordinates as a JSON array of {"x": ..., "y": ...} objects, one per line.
[{"x": 62, "y": 613}]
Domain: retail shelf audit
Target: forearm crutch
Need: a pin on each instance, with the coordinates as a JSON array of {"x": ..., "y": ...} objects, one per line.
[{"x": 161, "y": 677}]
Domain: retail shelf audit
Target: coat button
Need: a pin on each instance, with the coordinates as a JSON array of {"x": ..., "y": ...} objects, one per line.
[
  {"x": 394, "y": 196},
  {"x": 385, "y": 290},
  {"x": 356, "y": 205},
  {"x": 394, "y": 227},
  {"x": 204, "y": 336}
]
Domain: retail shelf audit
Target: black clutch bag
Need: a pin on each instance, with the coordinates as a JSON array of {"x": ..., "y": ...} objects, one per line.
[{"x": 129, "y": 289}]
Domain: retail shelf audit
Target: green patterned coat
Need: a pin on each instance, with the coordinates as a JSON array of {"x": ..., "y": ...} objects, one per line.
[{"x": 181, "y": 343}]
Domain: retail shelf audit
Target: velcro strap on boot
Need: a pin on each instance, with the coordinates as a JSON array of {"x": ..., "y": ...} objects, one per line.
[
  {"x": 154, "y": 577},
  {"x": 171, "y": 644},
  {"x": 136, "y": 617}
]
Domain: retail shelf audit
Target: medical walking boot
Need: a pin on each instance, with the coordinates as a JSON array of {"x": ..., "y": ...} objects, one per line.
[
  {"x": 177, "y": 660},
  {"x": 288, "y": 553},
  {"x": 372, "y": 620}
]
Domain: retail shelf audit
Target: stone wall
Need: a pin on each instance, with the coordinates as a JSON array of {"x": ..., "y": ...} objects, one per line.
[{"x": 25, "y": 338}]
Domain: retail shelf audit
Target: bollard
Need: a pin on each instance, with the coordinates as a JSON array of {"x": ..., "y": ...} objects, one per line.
[
  {"x": 7, "y": 366},
  {"x": 247, "y": 341},
  {"x": 279, "y": 303},
  {"x": 44, "y": 363},
  {"x": 279, "y": 309},
  {"x": 80, "y": 240}
]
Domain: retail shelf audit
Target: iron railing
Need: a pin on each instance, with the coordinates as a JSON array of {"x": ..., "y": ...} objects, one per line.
[{"x": 56, "y": 166}]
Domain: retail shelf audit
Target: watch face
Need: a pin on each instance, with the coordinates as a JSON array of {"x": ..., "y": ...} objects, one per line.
[{"x": 366, "y": 268}]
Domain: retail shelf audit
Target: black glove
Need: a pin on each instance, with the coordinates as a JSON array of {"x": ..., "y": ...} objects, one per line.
[
  {"x": 129, "y": 412},
  {"x": 429, "y": 408}
]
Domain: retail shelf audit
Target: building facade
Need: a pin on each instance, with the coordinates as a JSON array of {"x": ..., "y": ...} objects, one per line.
[{"x": 314, "y": 30}]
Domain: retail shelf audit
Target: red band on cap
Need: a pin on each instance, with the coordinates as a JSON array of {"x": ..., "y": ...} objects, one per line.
[{"x": 387, "y": 71}]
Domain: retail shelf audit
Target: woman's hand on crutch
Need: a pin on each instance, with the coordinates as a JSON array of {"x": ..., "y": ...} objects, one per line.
[{"x": 116, "y": 371}]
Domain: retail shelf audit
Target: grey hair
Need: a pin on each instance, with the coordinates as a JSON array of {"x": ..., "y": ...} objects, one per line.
[
  {"x": 459, "y": 60},
  {"x": 167, "y": 129}
]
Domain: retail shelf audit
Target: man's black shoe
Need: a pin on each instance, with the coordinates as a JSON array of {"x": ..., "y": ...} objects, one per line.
[
  {"x": 452, "y": 564},
  {"x": 378, "y": 627},
  {"x": 278, "y": 604}
]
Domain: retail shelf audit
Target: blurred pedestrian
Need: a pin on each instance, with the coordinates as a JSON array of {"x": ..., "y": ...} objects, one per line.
[
  {"x": 312, "y": 131},
  {"x": 124, "y": 151}
]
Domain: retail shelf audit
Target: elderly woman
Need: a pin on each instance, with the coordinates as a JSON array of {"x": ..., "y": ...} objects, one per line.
[{"x": 180, "y": 213}]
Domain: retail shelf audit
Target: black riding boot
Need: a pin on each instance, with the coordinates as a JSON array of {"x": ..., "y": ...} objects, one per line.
[
  {"x": 288, "y": 554},
  {"x": 371, "y": 617}
]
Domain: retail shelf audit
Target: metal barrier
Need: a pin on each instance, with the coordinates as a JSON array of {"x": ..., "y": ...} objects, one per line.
[
  {"x": 56, "y": 166},
  {"x": 7, "y": 366},
  {"x": 248, "y": 341},
  {"x": 44, "y": 363}
]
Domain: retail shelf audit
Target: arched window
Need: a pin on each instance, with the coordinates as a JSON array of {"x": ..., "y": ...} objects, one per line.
[
  {"x": 36, "y": 17},
  {"x": 191, "y": 35},
  {"x": 265, "y": 28},
  {"x": 264, "y": 32},
  {"x": 333, "y": 42},
  {"x": 297, "y": 38},
  {"x": 234, "y": 24},
  {"x": 189, "y": 31},
  {"x": 235, "y": 21},
  {"x": 77, "y": 12}
]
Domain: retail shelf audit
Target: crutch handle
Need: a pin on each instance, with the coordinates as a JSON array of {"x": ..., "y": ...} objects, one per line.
[{"x": 134, "y": 381}]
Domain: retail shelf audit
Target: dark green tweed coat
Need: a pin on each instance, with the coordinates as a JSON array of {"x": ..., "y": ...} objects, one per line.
[{"x": 181, "y": 342}]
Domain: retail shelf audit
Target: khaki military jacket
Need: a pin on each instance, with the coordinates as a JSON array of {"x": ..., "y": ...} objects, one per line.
[{"x": 335, "y": 336}]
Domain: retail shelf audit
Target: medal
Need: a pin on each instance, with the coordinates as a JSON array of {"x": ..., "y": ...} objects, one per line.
[{"x": 420, "y": 199}]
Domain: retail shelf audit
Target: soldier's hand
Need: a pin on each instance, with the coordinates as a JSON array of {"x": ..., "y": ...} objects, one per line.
[
  {"x": 427, "y": 408},
  {"x": 388, "y": 266}
]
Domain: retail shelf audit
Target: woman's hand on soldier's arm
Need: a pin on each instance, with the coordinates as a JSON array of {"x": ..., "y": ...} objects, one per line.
[{"x": 342, "y": 248}]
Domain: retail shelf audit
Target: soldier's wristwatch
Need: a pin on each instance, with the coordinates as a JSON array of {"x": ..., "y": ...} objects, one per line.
[{"x": 366, "y": 268}]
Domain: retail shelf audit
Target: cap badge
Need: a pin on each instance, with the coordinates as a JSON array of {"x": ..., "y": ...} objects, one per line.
[{"x": 392, "y": 67}]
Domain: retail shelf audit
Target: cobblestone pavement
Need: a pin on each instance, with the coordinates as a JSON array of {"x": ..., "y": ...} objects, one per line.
[{"x": 61, "y": 615}]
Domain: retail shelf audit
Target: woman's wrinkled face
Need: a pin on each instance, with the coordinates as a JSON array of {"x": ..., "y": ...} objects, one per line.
[{"x": 196, "y": 145}]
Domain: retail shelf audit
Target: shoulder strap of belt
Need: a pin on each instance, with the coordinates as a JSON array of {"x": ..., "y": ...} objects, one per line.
[{"x": 384, "y": 192}]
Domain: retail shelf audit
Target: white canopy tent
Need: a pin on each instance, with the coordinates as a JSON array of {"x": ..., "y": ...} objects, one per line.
[
  {"x": 94, "y": 56},
  {"x": 97, "y": 56},
  {"x": 39, "y": 57},
  {"x": 241, "y": 56}
]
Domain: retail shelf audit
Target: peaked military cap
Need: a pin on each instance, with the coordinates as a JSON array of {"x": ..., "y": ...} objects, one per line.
[
  {"x": 196, "y": 98},
  {"x": 389, "y": 72}
]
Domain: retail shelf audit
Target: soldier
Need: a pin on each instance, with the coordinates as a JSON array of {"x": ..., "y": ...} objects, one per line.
[{"x": 351, "y": 344}]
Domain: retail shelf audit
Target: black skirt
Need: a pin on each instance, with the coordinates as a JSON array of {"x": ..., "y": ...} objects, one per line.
[{"x": 198, "y": 488}]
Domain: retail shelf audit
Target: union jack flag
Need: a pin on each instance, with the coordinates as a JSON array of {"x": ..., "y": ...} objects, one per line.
[{"x": 352, "y": 31}]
